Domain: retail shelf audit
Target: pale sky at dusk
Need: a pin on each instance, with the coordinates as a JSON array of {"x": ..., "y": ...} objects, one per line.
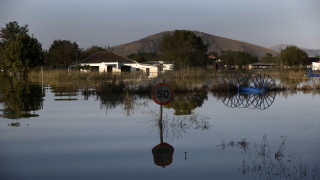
[{"x": 114, "y": 22}]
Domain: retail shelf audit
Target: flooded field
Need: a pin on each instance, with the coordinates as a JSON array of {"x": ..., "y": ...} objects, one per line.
[{"x": 77, "y": 132}]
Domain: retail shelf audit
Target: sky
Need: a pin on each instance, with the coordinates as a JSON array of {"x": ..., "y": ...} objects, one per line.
[{"x": 114, "y": 22}]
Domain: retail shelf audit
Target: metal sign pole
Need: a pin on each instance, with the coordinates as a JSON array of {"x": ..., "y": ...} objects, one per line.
[{"x": 161, "y": 124}]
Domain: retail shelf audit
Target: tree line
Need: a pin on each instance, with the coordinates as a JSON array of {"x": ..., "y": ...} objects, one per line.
[{"x": 20, "y": 52}]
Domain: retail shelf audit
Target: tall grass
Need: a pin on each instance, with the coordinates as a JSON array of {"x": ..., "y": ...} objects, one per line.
[
  {"x": 77, "y": 76},
  {"x": 189, "y": 73},
  {"x": 189, "y": 79}
]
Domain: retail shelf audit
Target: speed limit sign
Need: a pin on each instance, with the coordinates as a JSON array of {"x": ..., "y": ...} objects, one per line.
[{"x": 162, "y": 94}]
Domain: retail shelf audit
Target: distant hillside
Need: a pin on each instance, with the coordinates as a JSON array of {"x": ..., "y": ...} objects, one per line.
[
  {"x": 215, "y": 43},
  {"x": 311, "y": 52}
]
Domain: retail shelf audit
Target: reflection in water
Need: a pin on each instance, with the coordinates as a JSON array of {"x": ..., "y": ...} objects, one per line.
[
  {"x": 20, "y": 99},
  {"x": 184, "y": 103},
  {"x": 64, "y": 91},
  {"x": 163, "y": 152},
  {"x": 252, "y": 101},
  {"x": 16, "y": 124},
  {"x": 113, "y": 95},
  {"x": 268, "y": 164},
  {"x": 175, "y": 126}
]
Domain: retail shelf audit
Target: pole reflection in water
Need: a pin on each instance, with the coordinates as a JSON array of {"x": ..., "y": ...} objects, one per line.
[{"x": 163, "y": 152}]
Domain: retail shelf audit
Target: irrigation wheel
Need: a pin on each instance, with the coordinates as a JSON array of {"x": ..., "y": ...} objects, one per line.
[
  {"x": 232, "y": 100},
  {"x": 265, "y": 100},
  {"x": 232, "y": 80},
  {"x": 262, "y": 81}
]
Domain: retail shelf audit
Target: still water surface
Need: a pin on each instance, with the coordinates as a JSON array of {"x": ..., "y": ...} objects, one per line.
[{"x": 64, "y": 133}]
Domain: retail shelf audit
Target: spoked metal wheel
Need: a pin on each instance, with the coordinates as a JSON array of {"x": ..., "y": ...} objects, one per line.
[
  {"x": 262, "y": 81},
  {"x": 232, "y": 80},
  {"x": 264, "y": 100},
  {"x": 251, "y": 100},
  {"x": 232, "y": 100}
]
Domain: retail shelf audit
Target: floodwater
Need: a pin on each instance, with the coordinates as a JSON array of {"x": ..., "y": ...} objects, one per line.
[{"x": 50, "y": 132}]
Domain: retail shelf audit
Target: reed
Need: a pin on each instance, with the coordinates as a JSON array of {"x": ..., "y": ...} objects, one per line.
[
  {"x": 306, "y": 87},
  {"x": 189, "y": 73},
  {"x": 77, "y": 76},
  {"x": 183, "y": 80}
]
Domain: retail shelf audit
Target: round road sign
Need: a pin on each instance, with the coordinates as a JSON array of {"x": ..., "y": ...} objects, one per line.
[{"x": 162, "y": 94}]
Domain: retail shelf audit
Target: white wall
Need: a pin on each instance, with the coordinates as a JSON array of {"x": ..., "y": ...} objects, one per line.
[
  {"x": 103, "y": 66},
  {"x": 143, "y": 67},
  {"x": 315, "y": 65},
  {"x": 167, "y": 67},
  {"x": 153, "y": 70}
]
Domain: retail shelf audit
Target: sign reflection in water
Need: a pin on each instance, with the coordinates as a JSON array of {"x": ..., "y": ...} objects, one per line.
[{"x": 163, "y": 152}]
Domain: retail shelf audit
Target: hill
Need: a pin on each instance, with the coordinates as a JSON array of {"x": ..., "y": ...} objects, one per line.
[
  {"x": 310, "y": 52},
  {"x": 215, "y": 43}
]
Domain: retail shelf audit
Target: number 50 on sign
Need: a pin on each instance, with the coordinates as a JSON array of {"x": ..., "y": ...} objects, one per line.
[{"x": 162, "y": 94}]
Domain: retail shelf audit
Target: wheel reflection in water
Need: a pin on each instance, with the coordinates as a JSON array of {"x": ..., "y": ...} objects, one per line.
[{"x": 252, "y": 101}]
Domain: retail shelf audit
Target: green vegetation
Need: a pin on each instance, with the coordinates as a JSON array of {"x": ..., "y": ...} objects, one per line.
[
  {"x": 11, "y": 31},
  {"x": 231, "y": 58},
  {"x": 51, "y": 76},
  {"x": 90, "y": 51},
  {"x": 143, "y": 57},
  {"x": 19, "y": 52},
  {"x": 268, "y": 58},
  {"x": 292, "y": 55},
  {"x": 183, "y": 48},
  {"x": 61, "y": 54}
]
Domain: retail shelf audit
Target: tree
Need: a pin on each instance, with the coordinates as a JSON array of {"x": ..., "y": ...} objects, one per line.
[
  {"x": 292, "y": 55},
  {"x": 240, "y": 58},
  {"x": 21, "y": 54},
  {"x": 268, "y": 58},
  {"x": 61, "y": 54},
  {"x": 90, "y": 51},
  {"x": 184, "y": 48},
  {"x": 11, "y": 31},
  {"x": 143, "y": 57},
  {"x": 18, "y": 51}
]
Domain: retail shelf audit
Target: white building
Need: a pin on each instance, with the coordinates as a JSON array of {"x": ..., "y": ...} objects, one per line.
[
  {"x": 111, "y": 62},
  {"x": 315, "y": 65},
  {"x": 164, "y": 66}
]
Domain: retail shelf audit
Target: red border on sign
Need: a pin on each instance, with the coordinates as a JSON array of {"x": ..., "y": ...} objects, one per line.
[{"x": 153, "y": 94}]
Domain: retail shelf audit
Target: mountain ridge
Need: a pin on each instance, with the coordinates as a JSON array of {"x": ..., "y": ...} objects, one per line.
[{"x": 215, "y": 43}]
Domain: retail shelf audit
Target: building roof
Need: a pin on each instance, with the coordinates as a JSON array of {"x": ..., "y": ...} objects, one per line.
[{"x": 106, "y": 56}]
